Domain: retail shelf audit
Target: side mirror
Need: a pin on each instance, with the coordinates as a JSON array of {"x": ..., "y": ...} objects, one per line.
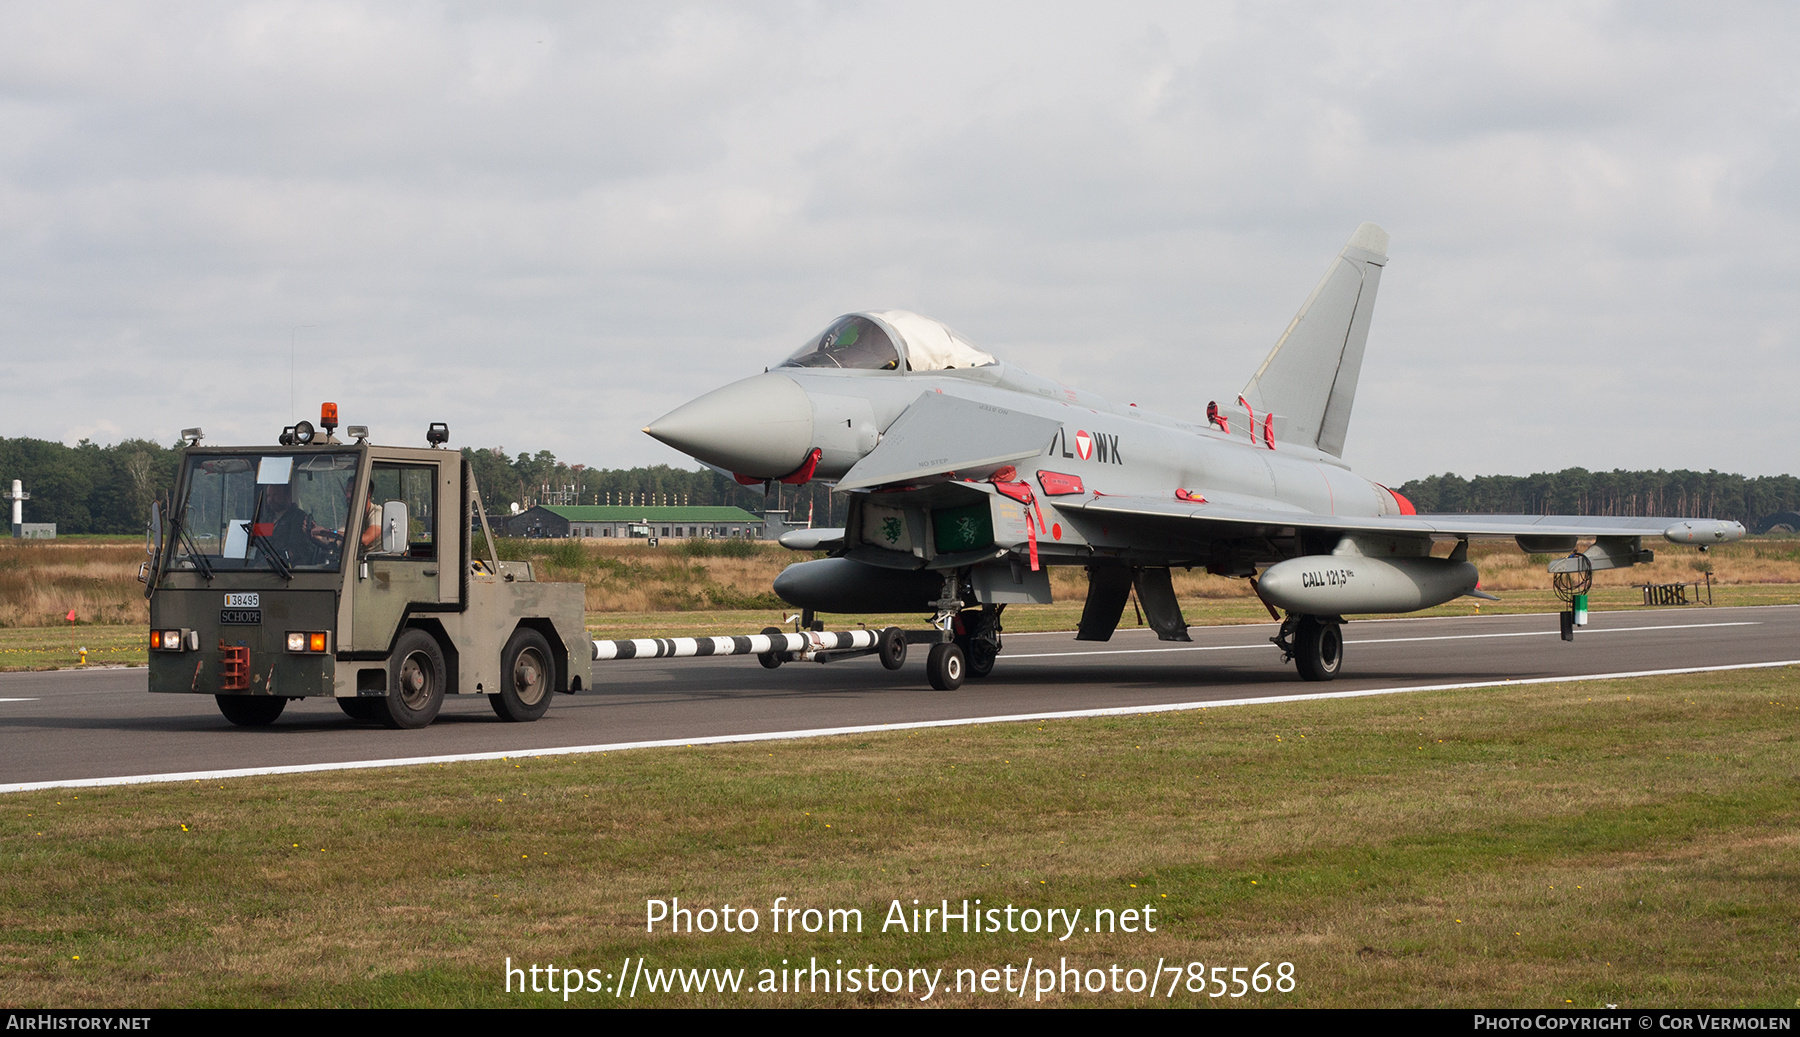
[
  {"x": 394, "y": 527},
  {"x": 153, "y": 533}
]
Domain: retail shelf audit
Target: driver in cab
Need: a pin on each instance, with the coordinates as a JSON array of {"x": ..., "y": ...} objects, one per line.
[{"x": 301, "y": 540}]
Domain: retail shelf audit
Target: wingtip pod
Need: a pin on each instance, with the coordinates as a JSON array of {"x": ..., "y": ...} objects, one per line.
[
  {"x": 1704, "y": 531},
  {"x": 1370, "y": 238}
]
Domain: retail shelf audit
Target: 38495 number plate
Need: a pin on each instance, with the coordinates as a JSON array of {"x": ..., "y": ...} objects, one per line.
[{"x": 240, "y": 617}]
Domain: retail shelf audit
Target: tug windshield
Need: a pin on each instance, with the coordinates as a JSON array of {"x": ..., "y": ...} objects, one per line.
[{"x": 277, "y": 512}]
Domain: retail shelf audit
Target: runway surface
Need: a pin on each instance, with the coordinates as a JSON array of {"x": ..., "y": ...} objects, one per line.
[{"x": 75, "y": 725}]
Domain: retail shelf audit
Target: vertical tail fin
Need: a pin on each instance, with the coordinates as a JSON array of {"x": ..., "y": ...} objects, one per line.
[{"x": 1309, "y": 378}]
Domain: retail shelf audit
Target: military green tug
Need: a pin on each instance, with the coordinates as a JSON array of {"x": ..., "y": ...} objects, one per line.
[{"x": 322, "y": 568}]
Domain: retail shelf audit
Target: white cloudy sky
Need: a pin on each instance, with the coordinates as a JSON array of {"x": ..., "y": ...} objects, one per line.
[{"x": 548, "y": 224}]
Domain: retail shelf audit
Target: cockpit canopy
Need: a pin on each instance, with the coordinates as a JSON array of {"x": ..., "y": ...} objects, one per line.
[{"x": 886, "y": 341}]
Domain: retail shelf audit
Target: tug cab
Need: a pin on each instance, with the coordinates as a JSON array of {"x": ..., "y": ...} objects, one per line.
[{"x": 318, "y": 568}]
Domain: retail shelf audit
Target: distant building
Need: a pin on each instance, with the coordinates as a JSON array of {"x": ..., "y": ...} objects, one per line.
[{"x": 602, "y": 521}]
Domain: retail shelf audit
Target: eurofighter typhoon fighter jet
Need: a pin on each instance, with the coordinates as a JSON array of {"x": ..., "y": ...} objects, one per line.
[{"x": 969, "y": 477}]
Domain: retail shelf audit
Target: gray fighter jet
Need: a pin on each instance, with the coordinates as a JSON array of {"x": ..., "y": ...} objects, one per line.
[{"x": 969, "y": 477}]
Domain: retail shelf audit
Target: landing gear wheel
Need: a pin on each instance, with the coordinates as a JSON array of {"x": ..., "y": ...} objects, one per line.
[
  {"x": 1319, "y": 648},
  {"x": 892, "y": 648},
  {"x": 977, "y": 642},
  {"x": 526, "y": 678},
  {"x": 981, "y": 655},
  {"x": 251, "y": 711},
  {"x": 770, "y": 660},
  {"x": 361, "y": 709},
  {"x": 415, "y": 682},
  {"x": 945, "y": 667}
]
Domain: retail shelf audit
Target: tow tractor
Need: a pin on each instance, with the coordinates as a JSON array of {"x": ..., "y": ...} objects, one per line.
[{"x": 321, "y": 568}]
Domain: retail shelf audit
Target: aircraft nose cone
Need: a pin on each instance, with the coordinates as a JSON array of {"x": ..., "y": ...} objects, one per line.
[{"x": 760, "y": 427}]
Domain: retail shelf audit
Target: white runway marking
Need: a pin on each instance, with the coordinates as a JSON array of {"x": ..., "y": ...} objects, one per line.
[
  {"x": 1376, "y": 640},
  {"x": 18, "y": 700},
  {"x": 826, "y": 732}
]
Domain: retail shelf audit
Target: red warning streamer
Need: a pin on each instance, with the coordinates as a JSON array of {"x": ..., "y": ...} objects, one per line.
[{"x": 1021, "y": 492}]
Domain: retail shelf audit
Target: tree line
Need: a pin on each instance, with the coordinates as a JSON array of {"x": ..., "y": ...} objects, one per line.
[
  {"x": 89, "y": 488},
  {"x": 1577, "y": 491},
  {"x": 532, "y": 479}
]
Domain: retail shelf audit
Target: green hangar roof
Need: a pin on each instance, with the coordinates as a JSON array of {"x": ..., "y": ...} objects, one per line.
[{"x": 643, "y": 513}]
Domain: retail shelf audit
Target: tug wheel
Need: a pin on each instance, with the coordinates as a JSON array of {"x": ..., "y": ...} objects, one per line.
[
  {"x": 249, "y": 710},
  {"x": 361, "y": 709},
  {"x": 526, "y": 678},
  {"x": 892, "y": 648},
  {"x": 415, "y": 681},
  {"x": 770, "y": 660}
]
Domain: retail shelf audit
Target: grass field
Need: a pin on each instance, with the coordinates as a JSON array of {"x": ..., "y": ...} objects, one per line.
[{"x": 1629, "y": 842}]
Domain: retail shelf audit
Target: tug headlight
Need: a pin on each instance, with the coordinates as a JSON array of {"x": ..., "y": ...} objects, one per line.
[{"x": 306, "y": 641}]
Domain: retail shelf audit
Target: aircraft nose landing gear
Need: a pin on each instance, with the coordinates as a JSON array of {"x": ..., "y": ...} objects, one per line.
[
  {"x": 945, "y": 667},
  {"x": 969, "y": 639},
  {"x": 1315, "y": 643}
]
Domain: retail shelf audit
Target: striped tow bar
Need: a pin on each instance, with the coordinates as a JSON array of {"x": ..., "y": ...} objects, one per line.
[{"x": 753, "y": 644}]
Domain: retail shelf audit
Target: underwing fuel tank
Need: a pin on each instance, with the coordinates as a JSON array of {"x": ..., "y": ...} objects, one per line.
[
  {"x": 1333, "y": 585},
  {"x": 847, "y": 586}
]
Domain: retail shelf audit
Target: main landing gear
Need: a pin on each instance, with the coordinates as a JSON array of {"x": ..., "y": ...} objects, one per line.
[
  {"x": 1315, "y": 643},
  {"x": 968, "y": 639}
]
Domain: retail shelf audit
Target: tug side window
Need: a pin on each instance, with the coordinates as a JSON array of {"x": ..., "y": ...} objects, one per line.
[{"x": 416, "y": 485}]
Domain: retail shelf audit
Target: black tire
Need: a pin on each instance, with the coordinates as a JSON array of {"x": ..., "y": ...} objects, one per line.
[
  {"x": 770, "y": 660},
  {"x": 251, "y": 710},
  {"x": 946, "y": 667},
  {"x": 892, "y": 648},
  {"x": 981, "y": 657},
  {"x": 361, "y": 709},
  {"x": 416, "y": 677},
  {"x": 978, "y": 652},
  {"x": 527, "y": 678},
  {"x": 1319, "y": 648}
]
